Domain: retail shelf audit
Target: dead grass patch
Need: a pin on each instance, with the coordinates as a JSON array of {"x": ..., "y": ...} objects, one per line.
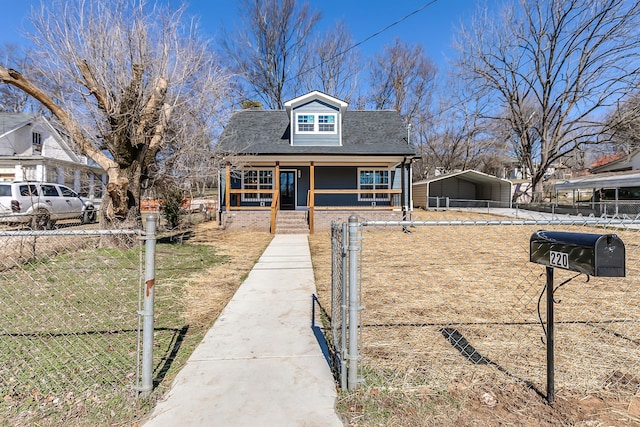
[
  {"x": 209, "y": 292},
  {"x": 453, "y": 310}
]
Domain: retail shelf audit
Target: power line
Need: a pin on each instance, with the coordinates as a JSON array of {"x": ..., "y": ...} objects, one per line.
[
  {"x": 404, "y": 18},
  {"x": 420, "y": 9}
]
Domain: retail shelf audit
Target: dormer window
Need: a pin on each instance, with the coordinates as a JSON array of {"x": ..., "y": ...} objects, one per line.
[
  {"x": 327, "y": 123},
  {"x": 306, "y": 123},
  {"x": 316, "y": 123}
]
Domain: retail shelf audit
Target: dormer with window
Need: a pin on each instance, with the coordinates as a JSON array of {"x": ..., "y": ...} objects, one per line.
[{"x": 316, "y": 120}]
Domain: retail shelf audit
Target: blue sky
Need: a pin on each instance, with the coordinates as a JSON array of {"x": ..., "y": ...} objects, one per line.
[{"x": 431, "y": 27}]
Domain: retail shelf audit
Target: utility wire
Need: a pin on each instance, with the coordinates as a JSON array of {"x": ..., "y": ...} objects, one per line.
[
  {"x": 404, "y": 18},
  {"x": 421, "y": 8}
]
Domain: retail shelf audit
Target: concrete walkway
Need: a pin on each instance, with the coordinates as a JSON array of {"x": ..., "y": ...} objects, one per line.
[{"x": 260, "y": 364}]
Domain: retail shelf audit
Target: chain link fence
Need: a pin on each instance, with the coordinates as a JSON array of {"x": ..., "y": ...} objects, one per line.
[
  {"x": 453, "y": 302},
  {"x": 338, "y": 300},
  {"x": 69, "y": 322}
]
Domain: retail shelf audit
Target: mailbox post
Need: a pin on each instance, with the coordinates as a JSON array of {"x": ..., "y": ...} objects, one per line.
[{"x": 591, "y": 254}]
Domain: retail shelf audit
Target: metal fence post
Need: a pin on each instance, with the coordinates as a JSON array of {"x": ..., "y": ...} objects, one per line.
[
  {"x": 353, "y": 356},
  {"x": 343, "y": 335},
  {"x": 147, "y": 313}
]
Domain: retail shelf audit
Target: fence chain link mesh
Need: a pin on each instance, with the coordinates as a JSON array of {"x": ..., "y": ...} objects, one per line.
[
  {"x": 338, "y": 299},
  {"x": 69, "y": 326},
  {"x": 455, "y": 302}
]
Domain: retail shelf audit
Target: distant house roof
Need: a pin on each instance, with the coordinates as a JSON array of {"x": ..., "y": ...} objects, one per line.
[
  {"x": 363, "y": 133},
  {"x": 616, "y": 162},
  {"x": 605, "y": 160}
]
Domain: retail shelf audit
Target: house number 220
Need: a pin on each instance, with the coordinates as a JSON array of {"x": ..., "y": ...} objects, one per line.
[{"x": 559, "y": 259}]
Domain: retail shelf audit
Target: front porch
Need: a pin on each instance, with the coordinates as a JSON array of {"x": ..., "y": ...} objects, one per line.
[{"x": 255, "y": 196}]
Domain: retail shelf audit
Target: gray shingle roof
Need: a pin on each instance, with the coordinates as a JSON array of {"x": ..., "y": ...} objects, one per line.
[{"x": 363, "y": 133}]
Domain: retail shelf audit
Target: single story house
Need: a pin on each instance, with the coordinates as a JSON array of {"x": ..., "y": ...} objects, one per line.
[
  {"x": 32, "y": 149},
  {"x": 317, "y": 161},
  {"x": 467, "y": 188},
  {"x": 618, "y": 162}
]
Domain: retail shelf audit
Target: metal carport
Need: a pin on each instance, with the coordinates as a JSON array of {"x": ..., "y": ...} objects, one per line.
[
  {"x": 610, "y": 181},
  {"x": 468, "y": 188}
]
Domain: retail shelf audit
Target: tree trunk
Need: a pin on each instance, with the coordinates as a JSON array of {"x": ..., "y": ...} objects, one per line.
[
  {"x": 537, "y": 189},
  {"x": 121, "y": 206}
]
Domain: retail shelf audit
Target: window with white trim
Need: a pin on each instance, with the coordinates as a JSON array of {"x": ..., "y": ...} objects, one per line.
[
  {"x": 373, "y": 179},
  {"x": 316, "y": 123},
  {"x": 257, "y": 179}
]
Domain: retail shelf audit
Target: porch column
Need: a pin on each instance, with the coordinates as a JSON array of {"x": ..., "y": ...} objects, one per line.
[
  {"x": 275, "y": 198},
  {"x": 312, "y": 195},
  {"x": 227, "y": 187},
  {"x": 277, "y": 186}
]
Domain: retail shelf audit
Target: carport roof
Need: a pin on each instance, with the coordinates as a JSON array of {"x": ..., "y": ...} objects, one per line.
[
  {"x": 612, "y": 180},
  {"x": 468, "y": 175}
]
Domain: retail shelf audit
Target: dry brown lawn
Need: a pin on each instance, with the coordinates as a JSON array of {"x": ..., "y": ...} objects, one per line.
[
  {"x": 203, "y": 301},
  {"x": 451, "y": 331}
]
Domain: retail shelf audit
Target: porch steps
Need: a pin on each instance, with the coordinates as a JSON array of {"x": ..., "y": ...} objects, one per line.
[{"x": 292, "y": 222}]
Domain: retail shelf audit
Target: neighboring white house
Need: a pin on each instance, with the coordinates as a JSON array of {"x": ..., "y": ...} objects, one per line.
[{"x": 31, "y": 149}]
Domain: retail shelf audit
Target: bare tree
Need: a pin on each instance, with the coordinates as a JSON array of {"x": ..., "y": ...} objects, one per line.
[
  {"x": 624, "y": 124},
  {"x": 132, "y": 74},
  {"x": 13, "y": 100},
  {"x": 456, "y": 137},
  {"x": 333, "y": 66},
  {"x": 270, "y": 47},
  {"x": 552, "y": 69},
  {"x": 402, "y": 79}
]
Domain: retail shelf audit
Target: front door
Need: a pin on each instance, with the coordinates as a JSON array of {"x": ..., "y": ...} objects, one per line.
[{"x": 287, "y": 190}]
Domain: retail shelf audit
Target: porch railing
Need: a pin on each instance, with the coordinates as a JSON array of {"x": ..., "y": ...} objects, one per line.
[
  {"x": 274, "y": 206},
  {"x": 393, "y": 202}
]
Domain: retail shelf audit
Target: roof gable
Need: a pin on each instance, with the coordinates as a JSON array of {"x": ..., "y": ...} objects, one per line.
[
  {"x": 468, "y": 174},
  {"x": 54, "y": 144},
  {"x": 315, "y": 96}
]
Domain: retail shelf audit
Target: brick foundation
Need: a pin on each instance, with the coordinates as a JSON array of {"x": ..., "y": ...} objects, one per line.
[
  {"x": 246, "y": 220},
  {"x": 261, "y": 220}
]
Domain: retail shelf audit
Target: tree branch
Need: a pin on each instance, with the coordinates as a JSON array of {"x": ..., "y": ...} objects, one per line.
[
  {"x": 153, "y": 108},
  {"x": 94, "y": 87},
  {"x": 14, "y": 78}
]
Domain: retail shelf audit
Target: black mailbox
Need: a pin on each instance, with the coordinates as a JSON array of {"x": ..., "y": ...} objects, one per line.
[{"x": 592, "y": 254}]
